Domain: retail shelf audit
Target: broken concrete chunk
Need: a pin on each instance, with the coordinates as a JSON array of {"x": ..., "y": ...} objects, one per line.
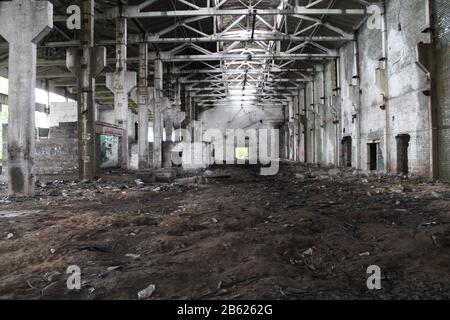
[
  {"x": 133, "y": 255},
  {"x": 52, "y": 276},
  {"x": 114, "y": 268},
  {"x": 147, "y": 292},
  {"x": 436, "y": 195},
  {"x": 187, "y": 181}
]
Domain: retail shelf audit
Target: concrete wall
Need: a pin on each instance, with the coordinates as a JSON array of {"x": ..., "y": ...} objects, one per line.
[
  {"x": 58, "y": 153},
  {"x": 235, "y": 117},
  {"x": 408, "y": 110},
  {"x": 378, "y": 100},
  {"x": 62, "y": 112},
  {"x": 106, "y": 115}
]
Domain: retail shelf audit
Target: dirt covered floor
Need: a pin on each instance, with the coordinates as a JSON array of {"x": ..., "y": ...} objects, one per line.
[{"x": 307, "y": 233}]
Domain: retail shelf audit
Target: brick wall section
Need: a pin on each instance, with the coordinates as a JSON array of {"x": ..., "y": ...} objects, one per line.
[{"x": 56, "y": 155}]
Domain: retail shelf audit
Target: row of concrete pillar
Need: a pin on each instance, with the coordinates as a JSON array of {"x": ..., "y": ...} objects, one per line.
[{"x": 23, "y": 23}]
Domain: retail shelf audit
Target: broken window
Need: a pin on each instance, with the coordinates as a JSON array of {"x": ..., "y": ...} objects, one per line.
[{"x": 43, "y": 133}]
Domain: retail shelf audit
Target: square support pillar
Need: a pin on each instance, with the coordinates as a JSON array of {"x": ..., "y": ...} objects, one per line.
[
  {"x": 158, "y": 116},
  {"x": 121, "y": 83},
  {"x": 143, "y": 95},
  {"x": 23, "y": 23},
  {"x": 86, "y": 63}
]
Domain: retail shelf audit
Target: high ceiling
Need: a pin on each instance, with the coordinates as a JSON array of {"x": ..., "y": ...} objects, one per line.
[{"x": 217, "y": 49}]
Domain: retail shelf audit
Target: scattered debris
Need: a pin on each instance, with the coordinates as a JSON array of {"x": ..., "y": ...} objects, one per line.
[
  {"x": 398, "y": 189},
  {"x": 303, "y": 228},
  {"x": 334, "y": 172},
  {"x": 52, "y": 276},
  {"x": 147, "y": 292},
  {"x": 114, "y": 268},
  {"x": 133, "y": 255},
  {"x": 300, "y": 176},
  {"x": 364, "y": 254},
  {"x": 188, "y": 181}
]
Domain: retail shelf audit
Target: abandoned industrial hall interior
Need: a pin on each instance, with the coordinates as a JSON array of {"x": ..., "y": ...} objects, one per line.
[{"x": 224, "y": 150}]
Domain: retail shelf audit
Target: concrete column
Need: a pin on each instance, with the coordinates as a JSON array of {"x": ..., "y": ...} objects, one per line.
[
  {"x": 178, "y": 116},
  {"x": 305, "y": 125},
  {"x": 168, "y": 118},
  {"x": 297, "y": 129},
  {"x": 143, "y": 100},
  {"x": 86, "y": 63},
  {"x": 23, "y": 23},
  {"x": 121, "y": 83},
  {"x": 157, "y": 116},
  {"x": 187, "y": 101}
]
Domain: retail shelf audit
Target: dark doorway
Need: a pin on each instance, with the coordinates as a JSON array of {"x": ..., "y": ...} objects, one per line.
[
  {"x": 402, "y": 153},
  {"x": 136, "y": 131},
  {"x": 373, "y": 157},
  {"x": 347, "y": 151}
]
